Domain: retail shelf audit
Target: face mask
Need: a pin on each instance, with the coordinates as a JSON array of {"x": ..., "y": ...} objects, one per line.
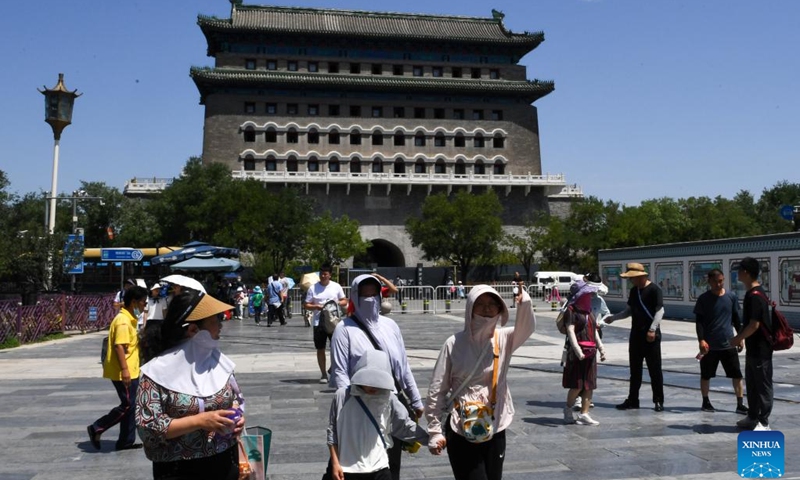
[
  {"x": 136, "y": 312},
  {"x": 370, "y": 306},
  {"x": 204, "y": 341},
  {"x": 483, "y": 327}
]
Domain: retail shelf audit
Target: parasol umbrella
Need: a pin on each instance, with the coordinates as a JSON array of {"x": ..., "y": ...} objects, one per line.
[
  {"x": 308, "y": 280},
  {"x": 184, "y": 281},
  {"x": 194, "y": 248},
  {"x": 206, "y": 264}
]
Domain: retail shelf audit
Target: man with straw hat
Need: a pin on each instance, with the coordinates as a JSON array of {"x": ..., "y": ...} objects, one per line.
[{"x": 646, "y": 309}]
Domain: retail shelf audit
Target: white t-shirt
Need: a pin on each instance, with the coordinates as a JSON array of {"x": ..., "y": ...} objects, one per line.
[
  {"x": 155, "y": 308},
  {"x": 318, "y": 295}
]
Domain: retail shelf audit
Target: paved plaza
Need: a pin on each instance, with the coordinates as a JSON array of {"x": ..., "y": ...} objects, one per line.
[{"x": 49, "y": 393}]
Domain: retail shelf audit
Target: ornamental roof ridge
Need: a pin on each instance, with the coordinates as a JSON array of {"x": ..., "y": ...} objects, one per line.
[
  {"x": 369, "y": 23},
  {"x": 361, "y": 79},
  {"x": 532, "y": 89}
]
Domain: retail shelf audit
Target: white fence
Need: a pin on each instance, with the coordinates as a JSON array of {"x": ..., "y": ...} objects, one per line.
[{"x": 436, "y": 300}]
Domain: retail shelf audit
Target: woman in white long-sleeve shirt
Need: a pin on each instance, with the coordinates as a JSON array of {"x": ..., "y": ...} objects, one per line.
[{"x": 457, "y": 371}]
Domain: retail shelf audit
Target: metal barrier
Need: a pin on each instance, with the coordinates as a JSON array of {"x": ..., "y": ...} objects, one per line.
[
  {"x": 54, "y": 313},
  {"x": 413, "y": 300},
  {"x": 444, "y": 299}
]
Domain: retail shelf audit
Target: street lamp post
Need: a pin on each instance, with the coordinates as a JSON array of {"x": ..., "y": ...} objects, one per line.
[{"x": 58, "y": 103}]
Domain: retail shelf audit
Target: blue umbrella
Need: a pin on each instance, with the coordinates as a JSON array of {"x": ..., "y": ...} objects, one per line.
[
  {"x": 207, "y": 264},
  {"x": 191, "y": 249}
]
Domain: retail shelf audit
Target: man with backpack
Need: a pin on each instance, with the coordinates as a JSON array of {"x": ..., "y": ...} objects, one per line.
[
  {"x": 758, "y": 355},
  {"x": 318, "y": 295}
]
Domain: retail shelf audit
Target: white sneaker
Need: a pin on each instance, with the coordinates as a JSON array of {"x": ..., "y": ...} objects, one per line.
[
  {"x": 762, "y": 428},
  {"x": 747, "y": 423},
  {"x": 569, "y": 418},
  {"x": 585, "y": 419},
  {"x": 577, "y": 405},
  {"x": 323, "y": 379}
]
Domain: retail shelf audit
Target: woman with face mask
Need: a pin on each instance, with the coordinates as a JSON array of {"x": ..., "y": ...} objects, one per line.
[
  {"x": 583, "y": 346},
  {"x": 189, "y": 407},
  {"x": 469, "y": 404}
]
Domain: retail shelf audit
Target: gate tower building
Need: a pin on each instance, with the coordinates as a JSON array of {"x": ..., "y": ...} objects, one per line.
[{"x": 370, "y": 112}]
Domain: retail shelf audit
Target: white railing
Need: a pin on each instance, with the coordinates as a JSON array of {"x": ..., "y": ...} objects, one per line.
[
  {"x": 401, "y": 178},
  {"x": 139, "y": 185},
  {"x": 436, "y": 300}
]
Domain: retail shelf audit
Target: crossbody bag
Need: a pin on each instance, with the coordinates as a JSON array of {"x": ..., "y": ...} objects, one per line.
[{"x": 477, "y": 418}]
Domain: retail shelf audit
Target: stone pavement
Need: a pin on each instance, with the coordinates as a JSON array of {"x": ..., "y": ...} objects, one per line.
[{"x": 50, "y": 392}]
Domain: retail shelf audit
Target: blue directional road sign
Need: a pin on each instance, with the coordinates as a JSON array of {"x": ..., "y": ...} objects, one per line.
[
  {"x": 787, "y": 212},
  {"x": 121, "y": 255},
  {"x": 73, "y": 255}
]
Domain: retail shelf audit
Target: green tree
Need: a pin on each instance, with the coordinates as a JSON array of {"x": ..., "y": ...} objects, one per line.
[
  {"x": 136, "y": 225},
  {"x": 189, "y": 208},
  {"x": 769, "y": 204},
  {"x": 462, "y": 230},
  {"x": 333, "y": 240},
  {"x": 288, "y": 223},
  {"x": 523, "y": 247}
]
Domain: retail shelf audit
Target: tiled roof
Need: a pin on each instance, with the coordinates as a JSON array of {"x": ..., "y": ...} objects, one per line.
[
  {"x": 206, "y": 77},
  {"x": 370, "y": 24}
]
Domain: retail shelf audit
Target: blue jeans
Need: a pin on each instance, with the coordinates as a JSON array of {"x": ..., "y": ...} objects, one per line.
[{"x": 122, "y": 414}]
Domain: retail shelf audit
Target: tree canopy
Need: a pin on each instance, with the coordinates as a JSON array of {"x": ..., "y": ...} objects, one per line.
[{"x": 463, "y": 229}]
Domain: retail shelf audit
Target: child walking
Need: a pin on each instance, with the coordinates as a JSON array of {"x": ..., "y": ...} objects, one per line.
[{"x": 364, "y": 417}]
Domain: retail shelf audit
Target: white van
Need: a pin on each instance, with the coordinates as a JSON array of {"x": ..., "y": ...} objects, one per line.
[{"x": 544, "y": 281}]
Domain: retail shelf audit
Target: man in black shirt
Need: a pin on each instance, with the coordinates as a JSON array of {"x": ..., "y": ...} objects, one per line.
[
  {"x": 646, "y": 308},
  {"x": 717, "y": 314},
  {"x": 758, "y": 356}
]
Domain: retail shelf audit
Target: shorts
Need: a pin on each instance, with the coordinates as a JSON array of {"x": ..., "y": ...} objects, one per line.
[
  {"x": 321, "y": 337},
  {"x": 730, "y": 363}
]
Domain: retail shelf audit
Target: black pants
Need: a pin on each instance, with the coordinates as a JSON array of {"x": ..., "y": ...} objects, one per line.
[
  {"x": 275, "y": 312},
  {"x": 123, "y": 414},
  {"x": 476, "y": 461},
  {"x": 758, "y": 379},
  {"x": 639, "y": 349},
  {"x": 222, "y": 466}
]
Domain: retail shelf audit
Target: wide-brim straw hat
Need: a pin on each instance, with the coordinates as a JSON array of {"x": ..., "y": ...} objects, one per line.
[
  {"x": 207, "y": 306},
  {"x": 634, "y": 270}
]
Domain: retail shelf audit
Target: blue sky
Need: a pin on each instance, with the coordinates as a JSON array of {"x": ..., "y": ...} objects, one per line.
[{"x": 653, "y": 98}]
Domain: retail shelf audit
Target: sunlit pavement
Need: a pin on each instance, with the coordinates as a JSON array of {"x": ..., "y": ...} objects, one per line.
[{"x": 51, "y": 391}]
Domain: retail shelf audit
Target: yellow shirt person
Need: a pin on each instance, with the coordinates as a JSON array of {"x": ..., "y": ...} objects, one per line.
[{"x": 122, "y": 332}]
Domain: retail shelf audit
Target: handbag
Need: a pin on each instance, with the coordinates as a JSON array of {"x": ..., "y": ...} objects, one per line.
[
  {"x": 589, "y": 347},
  {"x": 477, "y": 418},
  {"x": 245, "y": 470},
  {"x": 254, "y": 446}
]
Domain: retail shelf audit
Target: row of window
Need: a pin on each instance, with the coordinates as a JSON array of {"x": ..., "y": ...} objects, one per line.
[
  {"x": 378, "y": 69},
  {"x": 335, "y": 110},
  {"x": 377, "y": 166},
  {"x": 377, "y": 138}
]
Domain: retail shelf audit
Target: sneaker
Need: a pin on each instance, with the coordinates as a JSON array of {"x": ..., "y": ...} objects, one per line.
[
  {"x": 762, "y": 428},
  {"x": 591, "y": 404},
  {"x": 628, "y": 405},
  {"x": 323, "y": 379},
  {"x": 747, "y": 423},
  {"x": 658, "y": 407},
  {"x": 707, "y": 407},
  {"x": 741, "y": 409},
  {"x": 578, "y": 404},
  {"x": 569, "y": 418},
  {"x": 585, "y": 419}
]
